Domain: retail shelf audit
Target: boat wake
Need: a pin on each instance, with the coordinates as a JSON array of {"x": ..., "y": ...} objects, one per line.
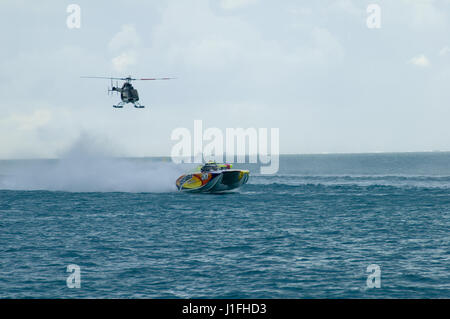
[{"x": 399, "y": 181}]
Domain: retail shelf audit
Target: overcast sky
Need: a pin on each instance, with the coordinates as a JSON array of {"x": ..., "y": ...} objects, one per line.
[{"x": 313, "y": 69}]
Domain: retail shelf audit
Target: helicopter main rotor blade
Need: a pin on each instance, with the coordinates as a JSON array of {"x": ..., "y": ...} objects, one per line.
[
  {"x": 156, "y": 79},
  {"x": 101, "y": 77},
  {"x": 125, "y": 79}
]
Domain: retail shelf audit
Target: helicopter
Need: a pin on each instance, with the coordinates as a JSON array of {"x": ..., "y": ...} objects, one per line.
[{"x": 128, "y": 94}]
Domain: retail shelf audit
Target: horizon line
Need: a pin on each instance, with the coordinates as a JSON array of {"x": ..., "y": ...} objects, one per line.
[{"x": 246, "y": 155}]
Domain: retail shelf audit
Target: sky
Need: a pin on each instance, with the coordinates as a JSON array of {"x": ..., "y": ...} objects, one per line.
[{"x": 313, "y": 69}]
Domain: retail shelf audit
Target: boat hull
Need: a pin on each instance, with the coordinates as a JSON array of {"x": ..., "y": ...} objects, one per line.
[{"x": 212, "y": 182}]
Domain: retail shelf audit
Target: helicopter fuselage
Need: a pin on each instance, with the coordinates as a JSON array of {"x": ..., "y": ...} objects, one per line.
[{"x": 128, "y": 93}]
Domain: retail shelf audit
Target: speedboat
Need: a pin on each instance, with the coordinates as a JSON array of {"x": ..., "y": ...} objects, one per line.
[{"x": 212, "y": 178}]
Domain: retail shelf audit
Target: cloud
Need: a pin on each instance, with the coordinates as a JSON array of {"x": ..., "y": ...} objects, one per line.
[
  {"x": 127, "y": 37},
  {"x": 420, "y": 61},
  {"x": 123, "y": 61},
  {"x": 38, "y": 133},
  {"x": 30, "y": 121},
  {"x": 424, "y": 15},
  {"x": 126, "y": 42},
  {"x": 234, "y": 4},
  {"x": 347, "y": 6},
  {"x": 210, "y": 43},
  {"x": 444, "y": 51}
]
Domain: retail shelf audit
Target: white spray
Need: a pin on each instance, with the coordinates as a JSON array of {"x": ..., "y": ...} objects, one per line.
[{"x": 89, "y": 167}]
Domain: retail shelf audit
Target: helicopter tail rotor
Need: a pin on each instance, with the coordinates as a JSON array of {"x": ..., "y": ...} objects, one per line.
[{"x": 111, "y": 88}]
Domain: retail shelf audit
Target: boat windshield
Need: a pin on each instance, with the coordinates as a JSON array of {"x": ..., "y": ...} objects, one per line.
[{"x": 210, "y": 166}]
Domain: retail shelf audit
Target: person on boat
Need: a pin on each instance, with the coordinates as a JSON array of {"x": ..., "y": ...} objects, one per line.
[{"x": 209, "y": 167}]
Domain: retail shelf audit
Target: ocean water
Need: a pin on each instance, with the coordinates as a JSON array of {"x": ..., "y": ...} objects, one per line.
[{"x": 310, "y": 231}]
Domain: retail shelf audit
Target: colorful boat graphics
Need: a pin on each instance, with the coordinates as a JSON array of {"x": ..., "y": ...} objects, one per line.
[{"x": 213, "y": 178}]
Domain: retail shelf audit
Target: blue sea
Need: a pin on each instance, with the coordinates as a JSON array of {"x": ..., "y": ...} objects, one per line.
[{"x": 309, "y": 231}]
